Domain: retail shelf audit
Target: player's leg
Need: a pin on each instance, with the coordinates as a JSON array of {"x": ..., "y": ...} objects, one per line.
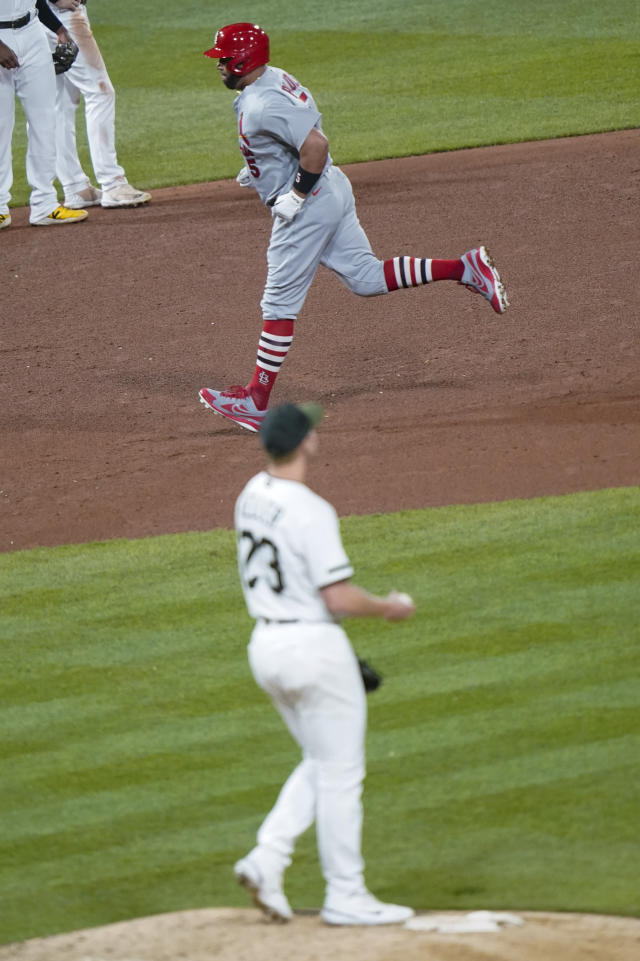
[
  {"x": 349, "y": 255},
  {"x": 90, "y": 77},
  {"x": 313, "y": 679},
  {"x": 76, "y": 184},
  {"x": 332, "y": 723},
  {"x": 262, "y": 870},
  {"x": 292, "y": 814},
  {"x": 7, "y": 112},
  {"x": 77, "y": 188},
  {"x": 35, "y": 87},
  {"x": 293, "y": 256}
]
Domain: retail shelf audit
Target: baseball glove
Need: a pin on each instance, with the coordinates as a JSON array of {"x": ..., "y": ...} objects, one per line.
[
  {"x": 370, "y": 677},
  {"x": 64, "y": 56}
]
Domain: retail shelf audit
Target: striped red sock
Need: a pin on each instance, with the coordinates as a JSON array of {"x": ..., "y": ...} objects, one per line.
[
  {"x": 274, "y": 344},
  {"x": 402, "y": 272}
]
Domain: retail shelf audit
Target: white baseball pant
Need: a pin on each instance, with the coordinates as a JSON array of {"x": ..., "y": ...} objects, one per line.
[
  {"x": 326, "y": 231},
  {"x": 86, "y": 78},
  {"x": 34, "y": 83},
  {"x": 312, "y": 676}
]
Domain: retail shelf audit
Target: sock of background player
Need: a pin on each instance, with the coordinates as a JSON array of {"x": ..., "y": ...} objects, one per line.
[
  {"x": 273, "y": 347},
  {"x": 413, "y": 272}
]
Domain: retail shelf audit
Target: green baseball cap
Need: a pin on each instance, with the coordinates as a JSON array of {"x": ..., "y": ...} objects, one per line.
[{"x": 286, "y": 426}]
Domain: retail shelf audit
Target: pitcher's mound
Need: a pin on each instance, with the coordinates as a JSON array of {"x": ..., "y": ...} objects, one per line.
[{"x": 227, "y": 934}]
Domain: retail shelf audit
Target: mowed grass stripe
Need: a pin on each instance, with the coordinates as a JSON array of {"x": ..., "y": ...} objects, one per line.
[{"x": 140, "y": 754}]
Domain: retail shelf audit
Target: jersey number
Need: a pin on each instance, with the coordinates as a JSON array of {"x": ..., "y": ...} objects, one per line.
[
  {"x": 272, "y": 573},
  {"x": 246, "y": 151}
]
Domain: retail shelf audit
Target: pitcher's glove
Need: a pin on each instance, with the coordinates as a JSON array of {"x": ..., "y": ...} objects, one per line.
[
  {"x": 64, "y": 56},
  {"x": 370, "y": 677}
]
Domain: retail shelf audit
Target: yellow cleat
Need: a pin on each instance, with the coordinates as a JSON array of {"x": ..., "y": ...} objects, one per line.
[
  {"x": 62, "y": 215},
  {"x": 5, "y": 220}
]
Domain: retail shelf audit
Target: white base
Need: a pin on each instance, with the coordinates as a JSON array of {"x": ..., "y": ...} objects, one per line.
[{"x": 472, "y": 923}]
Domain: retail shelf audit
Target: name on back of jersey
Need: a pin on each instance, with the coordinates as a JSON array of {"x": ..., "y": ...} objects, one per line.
[{"x": 257, "y": 508}]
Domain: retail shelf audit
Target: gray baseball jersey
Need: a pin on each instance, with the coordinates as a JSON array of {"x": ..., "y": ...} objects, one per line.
[
  {"x": 275, "y": 115},
  {"x": 289, "y": 547}
]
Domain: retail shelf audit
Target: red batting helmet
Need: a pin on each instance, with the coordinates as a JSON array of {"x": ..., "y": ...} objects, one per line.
[{"x": 245, "y": 45}]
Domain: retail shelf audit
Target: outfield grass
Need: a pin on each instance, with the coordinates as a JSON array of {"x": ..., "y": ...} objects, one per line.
[
  {"x": 504, "y": 745},
  {"x": 391, "y": 78}
]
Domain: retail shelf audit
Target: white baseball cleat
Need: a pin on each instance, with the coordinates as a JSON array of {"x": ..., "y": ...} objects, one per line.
[
  {"x": 480, "y": 275},
  {"x": 5, "y": 220},
  {"x": 124, "y": 195},
  {"x": 236, "y": 403},
  {"x": 266, "y": 892},
  {"x": 88, "y": 197},
  {"x": 363, "y": 909}
]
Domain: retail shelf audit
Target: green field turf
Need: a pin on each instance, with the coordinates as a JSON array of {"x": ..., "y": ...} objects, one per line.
[
  {"x": 504, "y": 746},
  {"x": 391, "y": 78}
]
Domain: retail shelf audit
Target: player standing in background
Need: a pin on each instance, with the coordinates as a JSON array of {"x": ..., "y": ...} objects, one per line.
[
  {"x": 296, "y": 580},
  {"x": 26, "y": 70},
  {"x": 88, "y": 78},
  {"x": 287, "y": 162}
]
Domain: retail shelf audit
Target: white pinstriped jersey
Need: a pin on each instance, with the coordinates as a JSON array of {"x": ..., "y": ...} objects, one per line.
[
  {"x": 275, "y": 116},
  {"x": 289, "y": 546}
]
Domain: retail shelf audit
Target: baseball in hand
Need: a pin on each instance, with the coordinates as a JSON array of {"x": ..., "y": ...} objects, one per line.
[{"x": 404, "y": 599}]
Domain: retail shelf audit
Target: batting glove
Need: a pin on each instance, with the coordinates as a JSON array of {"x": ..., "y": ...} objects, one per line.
[
  {"x": 244, "y": 178},
  {"x": 287, "y": 206}
]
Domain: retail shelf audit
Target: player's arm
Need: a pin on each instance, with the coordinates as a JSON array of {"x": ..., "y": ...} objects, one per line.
[
  {"x": 313, "y": 156},
  {"x": 344, "y": 599},
  {"x": 47, "y": 16}
]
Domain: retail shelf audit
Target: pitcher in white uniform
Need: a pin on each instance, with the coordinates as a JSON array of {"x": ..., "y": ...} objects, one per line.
[
  {"x": 287, "y": 162},
  {"x": 296, "y": 579}
]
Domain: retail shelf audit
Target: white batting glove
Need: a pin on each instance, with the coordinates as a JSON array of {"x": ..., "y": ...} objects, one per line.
[
  {"x": 244, "y": 178},
  {"x": 287, "y": 206}
]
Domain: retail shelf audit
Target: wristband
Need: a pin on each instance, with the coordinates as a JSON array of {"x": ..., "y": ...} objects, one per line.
[{"x": 305, "y": 181}]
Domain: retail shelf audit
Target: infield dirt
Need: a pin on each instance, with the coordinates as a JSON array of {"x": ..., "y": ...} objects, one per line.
[{"x": 112, "y": 326}]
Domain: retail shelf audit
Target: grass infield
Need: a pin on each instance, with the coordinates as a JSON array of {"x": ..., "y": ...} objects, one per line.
[
  {"x": 391, "y": 78},
  {"x": 139, "y": 757}
]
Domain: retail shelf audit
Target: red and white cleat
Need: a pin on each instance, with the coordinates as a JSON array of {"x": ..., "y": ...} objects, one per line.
[
  {"x": 236, "y": 403},
  {"x": 481, "y": 276}
]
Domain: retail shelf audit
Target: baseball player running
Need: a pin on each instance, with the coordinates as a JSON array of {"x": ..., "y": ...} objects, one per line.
[
  {"x": 287, "y": 162},
  {"x": 88, "y": 78},
  {"x": 296, "y": 580},
  {"x": 26, "y": 71}
]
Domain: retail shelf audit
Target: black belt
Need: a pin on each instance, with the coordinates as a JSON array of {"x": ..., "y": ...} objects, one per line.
[
  {"x": 269, "y": 620},
  {"x": 15, "y": 24}
]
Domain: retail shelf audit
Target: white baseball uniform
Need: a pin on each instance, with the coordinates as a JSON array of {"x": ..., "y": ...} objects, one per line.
[
  {"x": 275, "y": 115},
  {"x": 289, "y": 547},
  {"x": 34, "y": 83},
  {"x": 87, "y": 78}
]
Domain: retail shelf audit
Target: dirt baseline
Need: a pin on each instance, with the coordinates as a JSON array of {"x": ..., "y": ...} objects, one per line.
[{"x": 109, "y": 331}]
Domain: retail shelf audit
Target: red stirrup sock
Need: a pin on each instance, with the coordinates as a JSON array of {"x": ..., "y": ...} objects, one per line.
[
  {"x": 273, "y": 347},
  {"x": 413, "y": 272}
]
